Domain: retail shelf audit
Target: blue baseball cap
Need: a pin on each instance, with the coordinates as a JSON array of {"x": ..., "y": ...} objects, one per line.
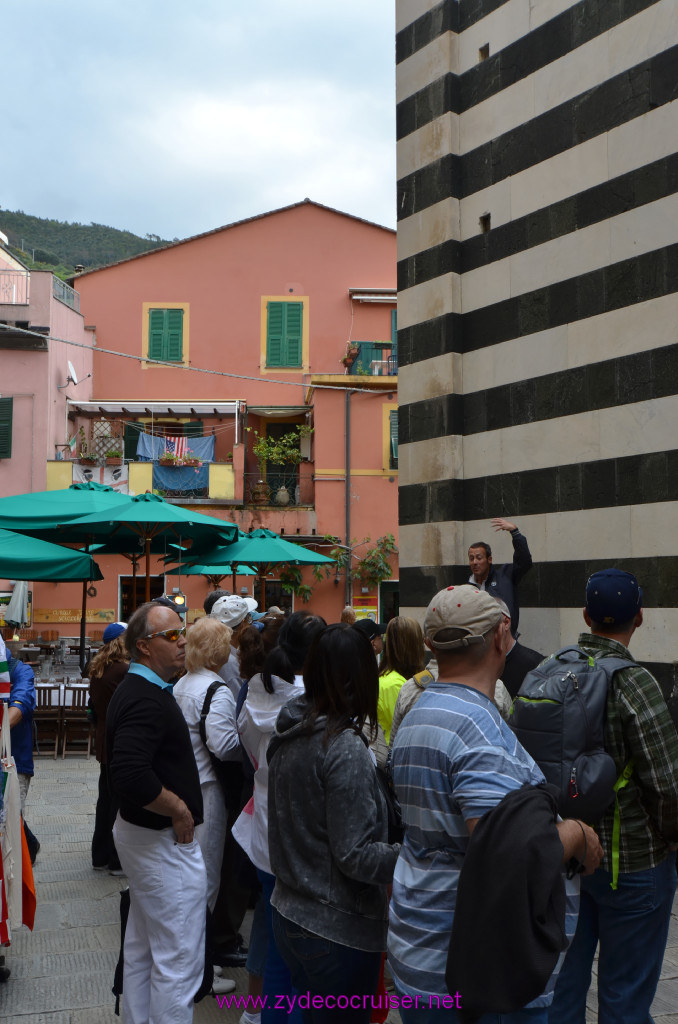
[
  {"x": 613, "y": 597},
  {"x": 114, "y": 630}
]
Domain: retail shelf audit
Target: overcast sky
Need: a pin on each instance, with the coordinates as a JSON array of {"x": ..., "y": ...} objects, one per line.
[{"x": 171, "y": 118}]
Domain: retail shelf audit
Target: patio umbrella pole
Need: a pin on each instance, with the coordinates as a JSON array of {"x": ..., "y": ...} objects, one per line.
[
  {"x": 83, "y": 627},
  {"x": 148, "y": 568}
]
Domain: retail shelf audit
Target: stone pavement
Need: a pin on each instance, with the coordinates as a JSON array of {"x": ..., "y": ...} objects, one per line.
[{"x": 62, "y": 972}]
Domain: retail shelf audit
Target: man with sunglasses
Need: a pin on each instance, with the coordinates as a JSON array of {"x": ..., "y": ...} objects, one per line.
[{"x": 154, "y": 775}]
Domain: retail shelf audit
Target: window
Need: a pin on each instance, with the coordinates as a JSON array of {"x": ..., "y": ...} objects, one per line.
[
  {"x": 393, "y": 451},
  {"x": 284, "y": 330},
  {"x": 6, "y": 428},
  {"x": 166, "y": 334}
]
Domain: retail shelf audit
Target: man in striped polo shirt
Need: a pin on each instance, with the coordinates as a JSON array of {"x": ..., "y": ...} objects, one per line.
[{"x": 454, "y": 759}]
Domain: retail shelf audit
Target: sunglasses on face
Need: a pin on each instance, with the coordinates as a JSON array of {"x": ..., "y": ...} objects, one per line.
[{"x": 169, "y": 634}]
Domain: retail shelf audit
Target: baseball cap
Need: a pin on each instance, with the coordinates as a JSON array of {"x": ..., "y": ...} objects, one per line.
[
  {"x": 370, "y": 628},
  {"x": 231, "y": 610},
  {"x": 613, "y": 596},
  {"x": 464, "y": 613},
  {"x": 113, "y": 630}
]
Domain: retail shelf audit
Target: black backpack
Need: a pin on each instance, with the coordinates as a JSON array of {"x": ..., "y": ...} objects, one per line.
[{"x": 558, "y": 716}]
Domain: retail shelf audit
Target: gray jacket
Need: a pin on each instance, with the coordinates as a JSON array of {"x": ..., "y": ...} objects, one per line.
[{"x": 327, "y": 833}]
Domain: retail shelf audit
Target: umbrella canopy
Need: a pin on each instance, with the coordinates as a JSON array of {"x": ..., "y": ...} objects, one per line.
[
  {"x": 30, "y": 558},
  {"x": 256, "y": 551},
  {"x": 42, "y": 511},
  {"x": 147, "y": 517}
]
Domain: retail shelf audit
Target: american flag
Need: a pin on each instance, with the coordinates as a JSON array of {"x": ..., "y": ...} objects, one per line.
[{"x": 176, "y": 446}]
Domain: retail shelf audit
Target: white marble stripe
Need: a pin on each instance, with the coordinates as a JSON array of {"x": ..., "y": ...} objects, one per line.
[
  {"x": 641, "y": 230},
  {"x": 425, "y": 66},
  {"x": 612, "y": 433}
]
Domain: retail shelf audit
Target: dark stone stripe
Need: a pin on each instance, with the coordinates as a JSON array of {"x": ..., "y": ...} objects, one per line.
[
  {"x": 433, "y": 338},
  {"x": 550, "y": 584},
  {"x": 639, "y": 279},
  {"x": 608, "y": 483},
  {"x": 627, "y": 192},
  {"x": 419, "y": 33},
  {"x": 621, "y": 99},
  {"x": 639, "y": 377},
  {"x": 429, "y": 185},
  {"x": 547, "y": 43}
]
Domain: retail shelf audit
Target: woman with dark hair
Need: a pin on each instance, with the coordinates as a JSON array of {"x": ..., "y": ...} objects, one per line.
[
  {"x": 328, "y": 831},
  {"x": 107, "y": 668},
  {"x": 404, "y": 656},
  {"x": 279, "y": 680}
]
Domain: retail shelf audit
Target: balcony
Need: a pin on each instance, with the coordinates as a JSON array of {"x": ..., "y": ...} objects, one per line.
[
  {"x": 64, "y": 293},
  {"x": 375, "y": 359},
  {"x": 14, "y": 287}
]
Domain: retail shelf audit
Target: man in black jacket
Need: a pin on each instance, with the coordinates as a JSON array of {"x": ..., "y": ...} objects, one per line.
[
  {"x": 501, "y": 580},
  {"x": 153, "y": 774}
]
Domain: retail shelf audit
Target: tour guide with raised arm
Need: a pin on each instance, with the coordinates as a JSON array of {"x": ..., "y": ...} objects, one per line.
[
  {"x": 501, "y": 580},
  {"x": 154, "y": 775}
]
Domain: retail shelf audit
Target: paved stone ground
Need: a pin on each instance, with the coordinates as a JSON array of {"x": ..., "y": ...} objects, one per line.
[{"x": 62, "y": 972}]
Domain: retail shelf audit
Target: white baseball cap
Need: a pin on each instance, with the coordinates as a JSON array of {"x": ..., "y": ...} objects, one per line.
[{"x": 231, "y": 609}]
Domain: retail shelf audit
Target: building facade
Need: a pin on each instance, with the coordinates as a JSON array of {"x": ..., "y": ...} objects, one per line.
[
  {"x": 537, "y": 281},
  {"x": 251, "y": 331}
]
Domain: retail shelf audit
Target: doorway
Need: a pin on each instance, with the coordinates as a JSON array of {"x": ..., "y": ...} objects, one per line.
[
  {"x": 389, "y": 600},
  {"x": 133, "y": 592}
]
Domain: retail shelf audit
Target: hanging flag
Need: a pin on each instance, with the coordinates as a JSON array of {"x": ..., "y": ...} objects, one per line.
[
  {"x": 71, "y": 443},
  {"x": 176, "y": 446}
]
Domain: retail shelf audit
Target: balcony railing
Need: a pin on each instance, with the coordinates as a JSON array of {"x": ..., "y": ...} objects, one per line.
[
  {"x": 64, "y": 293},
  {"x": 283, "y": 488},
  {"x": 14, "y": 287},
  {"x": 375, "y": 359}
]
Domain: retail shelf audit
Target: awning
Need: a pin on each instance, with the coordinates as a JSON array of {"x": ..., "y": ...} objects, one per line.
[
  {"x": 134, "y": 408},
  {"x": 284, "y": 411}
]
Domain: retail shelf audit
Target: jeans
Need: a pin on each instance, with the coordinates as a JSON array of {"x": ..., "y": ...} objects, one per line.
[
  {"x": 631, "y": 924},
  {"x": 277, "y": 978},
  {"x": 343, "y": 979}
]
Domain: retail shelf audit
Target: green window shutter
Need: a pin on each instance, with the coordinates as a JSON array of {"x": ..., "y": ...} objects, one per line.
[
  {"x": 6, "y": 409},
  {"x": 156, "y": 332},
  {"x": 174, "y": 334},
  {"x": 293, "y": 332},
  {"x": 131, "y": 440},
  {"x": 394, "y": 329},
  {"x": 193, "y": 429},
  {"x": 166, "y": 334},
  {"x": 393, "y": 416},
  {"x": 284, "y": 333}
]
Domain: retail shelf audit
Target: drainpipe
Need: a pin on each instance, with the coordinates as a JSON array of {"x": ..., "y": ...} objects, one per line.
[{"x": 348, "y": 589}]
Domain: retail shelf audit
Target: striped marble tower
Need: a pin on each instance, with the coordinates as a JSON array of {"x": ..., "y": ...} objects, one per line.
[{"x": 538, "y": 305}]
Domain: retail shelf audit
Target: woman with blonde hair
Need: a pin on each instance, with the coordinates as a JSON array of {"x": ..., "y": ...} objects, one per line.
[
  {"x": 208, "y": 645},
  {"x": 107, "y": 668},
  {"x": 403, "y": 657}
]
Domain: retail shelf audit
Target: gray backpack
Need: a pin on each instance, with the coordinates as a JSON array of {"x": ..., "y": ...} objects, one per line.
[{"x": 558, "y": 716}]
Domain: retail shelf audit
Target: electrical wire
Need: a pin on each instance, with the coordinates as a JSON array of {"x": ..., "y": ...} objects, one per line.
[{"x": 193, "y": 369}]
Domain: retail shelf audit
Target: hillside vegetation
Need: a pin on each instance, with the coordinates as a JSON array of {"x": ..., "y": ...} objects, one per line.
[{"x": 60, "y": 246}]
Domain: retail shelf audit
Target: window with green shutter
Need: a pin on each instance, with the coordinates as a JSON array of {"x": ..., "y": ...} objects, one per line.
[
  {"x": 6, "y": 427},
  {"x": 166, "y": 334},
  {"x": 393, "y": 417},
  {"x": 284, "y": 330}
]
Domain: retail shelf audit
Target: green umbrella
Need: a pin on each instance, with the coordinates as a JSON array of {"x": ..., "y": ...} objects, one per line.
[
  {"x": 41, "y": 511},
  {"x": 29, "y": 558},
  {"x": 262, "y": 550},
  {"x": 147, "y": 517}
]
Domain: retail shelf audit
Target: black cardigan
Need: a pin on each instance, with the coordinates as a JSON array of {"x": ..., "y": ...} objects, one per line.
[
  {"x": 509, "y": 920},
  {"x": 149, "y": 747}
]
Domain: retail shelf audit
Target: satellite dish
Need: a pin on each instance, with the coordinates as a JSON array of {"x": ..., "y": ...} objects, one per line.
[{"x": 71, "y": 372}]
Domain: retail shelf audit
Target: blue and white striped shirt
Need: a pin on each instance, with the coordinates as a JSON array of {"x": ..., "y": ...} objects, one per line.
[{"x": 454, "y": 759}]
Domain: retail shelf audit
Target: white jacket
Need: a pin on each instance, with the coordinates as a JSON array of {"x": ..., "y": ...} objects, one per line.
[
  {"x": 256, "y": 724},
  {"x": 220, "y": 727}
]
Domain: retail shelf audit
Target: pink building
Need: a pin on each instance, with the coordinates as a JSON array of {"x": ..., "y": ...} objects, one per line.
[{"x": 281, "y": 321}]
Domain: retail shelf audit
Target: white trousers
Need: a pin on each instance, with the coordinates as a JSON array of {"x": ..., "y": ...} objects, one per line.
[
  {"x": 211, "y": 836},
  {"x": 165, "y": 936}
]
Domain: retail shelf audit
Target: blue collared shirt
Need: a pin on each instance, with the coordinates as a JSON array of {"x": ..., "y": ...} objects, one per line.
[{"x": 143, "y": 670}]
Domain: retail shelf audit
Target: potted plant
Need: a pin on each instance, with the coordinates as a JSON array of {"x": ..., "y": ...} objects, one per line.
[
  {"x": 351, "y": 354},
  {"x": 85, "y": 456},
  {"x": 114, "y": 453},
  {"x": 279, "y": 451}
]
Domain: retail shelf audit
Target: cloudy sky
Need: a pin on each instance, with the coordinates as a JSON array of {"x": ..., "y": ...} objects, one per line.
[{"x": 171, "y": 118}]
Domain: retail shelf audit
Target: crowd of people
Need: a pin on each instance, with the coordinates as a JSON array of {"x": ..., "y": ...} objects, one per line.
[{"x": 261, "y": 760}]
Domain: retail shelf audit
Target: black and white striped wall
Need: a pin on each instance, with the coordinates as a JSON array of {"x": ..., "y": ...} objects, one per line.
[{"x": 538, "y": 300}]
